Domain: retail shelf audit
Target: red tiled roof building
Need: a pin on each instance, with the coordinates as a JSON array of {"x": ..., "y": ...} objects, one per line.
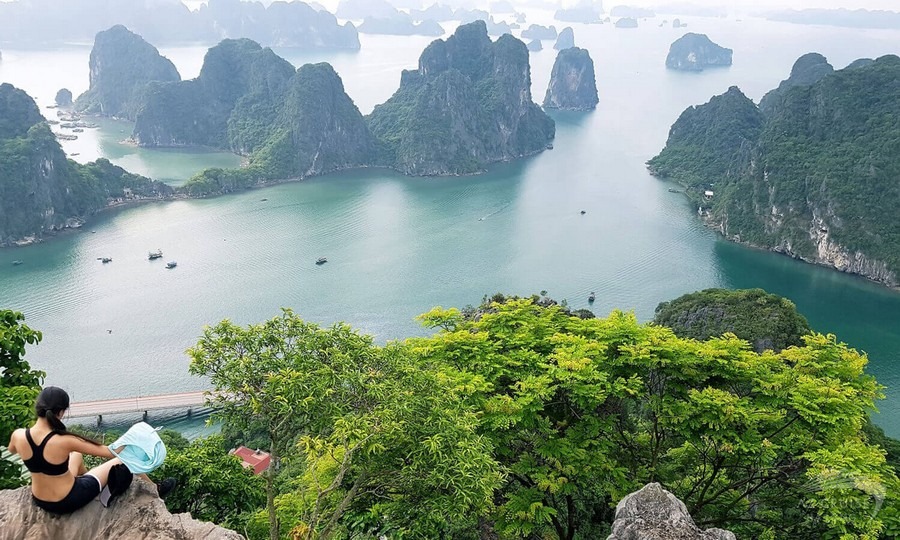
[{"x": 253, "y": 459}]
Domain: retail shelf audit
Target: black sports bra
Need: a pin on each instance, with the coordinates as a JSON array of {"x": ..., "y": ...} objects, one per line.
[{"x": 37, "y": 464}]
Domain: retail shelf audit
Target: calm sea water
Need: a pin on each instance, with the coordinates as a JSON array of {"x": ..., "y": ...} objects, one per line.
[{"x": 398, "y": 246}]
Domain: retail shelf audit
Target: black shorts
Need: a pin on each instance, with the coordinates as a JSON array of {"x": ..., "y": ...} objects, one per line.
[{"x": 85, "y": 490}]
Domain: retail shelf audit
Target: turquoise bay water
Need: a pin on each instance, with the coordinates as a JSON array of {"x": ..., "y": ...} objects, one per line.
[{"x": 398, "y": 246}]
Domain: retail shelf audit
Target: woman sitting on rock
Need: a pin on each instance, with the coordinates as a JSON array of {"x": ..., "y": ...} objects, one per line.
[{"x": 60, "y": 483}]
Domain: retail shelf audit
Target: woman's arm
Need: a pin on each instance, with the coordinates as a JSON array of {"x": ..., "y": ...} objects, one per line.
[
  {"x": 12, "y": 442},
  {"x": 75, "y": 444}
]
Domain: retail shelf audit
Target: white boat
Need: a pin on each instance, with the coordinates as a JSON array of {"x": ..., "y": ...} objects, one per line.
[
  {"x": 155, "y": 254},
  {"x": 171, "y": 264}
]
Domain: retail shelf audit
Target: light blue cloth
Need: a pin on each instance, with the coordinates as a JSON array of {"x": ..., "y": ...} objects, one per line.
[{"x": 143, "y": 450}]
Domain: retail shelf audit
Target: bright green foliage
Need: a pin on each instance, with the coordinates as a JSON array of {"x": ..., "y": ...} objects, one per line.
[
  {"x": 19, "y": 386},
  {"x": 212, "y": 485},
  {"x": 409, "y": 458},
  {"x": 767, "y": 321},
  {"x": 583, "y": 411},
  {"x": 822, "y": 162}
]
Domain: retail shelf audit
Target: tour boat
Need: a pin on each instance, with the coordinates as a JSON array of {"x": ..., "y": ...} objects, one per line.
[
  {"x": 155, "y": 254},
  {"x": 171, "y": 264},
  {"x": 321, "y": 260},
  {"x": 591, "y": 298}
]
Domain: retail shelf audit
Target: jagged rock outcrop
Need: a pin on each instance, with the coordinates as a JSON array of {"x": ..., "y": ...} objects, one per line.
[
  {"x": 318, "y": 129},
  {"x": 807, "y": 71},
  {"x": 573, "y": 85},
  {"x": 121, "y": 65},
  {"x": 536, "y": 31},
  {"x": 467, "y": 105},
  {"x": 566, "y": 39},
  {"x": 63, "y": 98},
  {"x": 814, "y": 178},
  {"x": 231, "y": 105},
  {"x": 535, "y": 45},
  {"x": 139, "y": 514},
  {"x": 40, "y": 190},
  {"x": 696, "y": 52},
  {"x": 653, "y": 513}
]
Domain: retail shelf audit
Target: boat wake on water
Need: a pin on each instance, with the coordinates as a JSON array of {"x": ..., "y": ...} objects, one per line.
[{"x": 495, "y": 212}]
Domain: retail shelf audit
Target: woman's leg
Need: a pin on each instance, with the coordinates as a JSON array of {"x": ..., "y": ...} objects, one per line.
[
  {"x": 76, "y": 464},
  {"x": 101, "y": 472}
]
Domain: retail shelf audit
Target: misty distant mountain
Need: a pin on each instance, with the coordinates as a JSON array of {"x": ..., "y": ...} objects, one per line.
[
  {"x": 859, "y": 18},
  {"x": 285, "y": 24}
]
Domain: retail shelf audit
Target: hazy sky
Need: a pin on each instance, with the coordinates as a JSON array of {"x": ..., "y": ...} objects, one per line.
[{"x": 891, "y": 5}]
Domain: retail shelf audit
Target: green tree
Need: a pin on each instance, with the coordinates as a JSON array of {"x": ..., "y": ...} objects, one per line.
[
  {"x": 212, "y": 485},
  {"x": 19, "y": 386},
  {"x": 371, "y": 432},
  {"x": 584, "y": 411}
]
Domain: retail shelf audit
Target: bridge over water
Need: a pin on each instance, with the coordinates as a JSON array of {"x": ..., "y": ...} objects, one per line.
[{"x": 141, "y": 404}]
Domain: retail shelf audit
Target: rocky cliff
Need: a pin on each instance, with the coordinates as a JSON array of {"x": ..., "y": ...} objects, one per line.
[
  {"x": 139, "y": 514},
  {"x": 467, "y": 105},
  {"x": 815, "y": 178},
  {"x": 63, "y": 98},
  {"x": 807, "y": 71},
  {"x": 572, "y": 83},
  {"x": 231, "y": 105},
  {"x": 121, "y": 65},
  {"x": 566, "y": 39},
  {"x": 653, "y": 513},
  {"x": 696, "y": 52},
  {"x": 40, "y": 190}
]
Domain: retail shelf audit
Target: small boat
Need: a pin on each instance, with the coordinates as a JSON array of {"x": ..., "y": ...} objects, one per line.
[
  {"x": 155, "y": 254},
  {"x": 583, "y": 212},
  {"x": 78, "y": 130},
  {"x": 104, "y": 260},
  {"x": 263, "y": 200},
  {"x": 673, "y": 190},
  {"x": 321, "y": 260},
  {"x": 73, "y": 154},
  {"x": 171, "y": 264},
  {"x": 17, "y": 263},
  {"x": 591, "y": 298}
]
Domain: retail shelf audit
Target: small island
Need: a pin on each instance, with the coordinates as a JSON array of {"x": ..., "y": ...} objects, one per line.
[
  {"x": 627, "y": 22},
  {"x": 63, "y": 98},
  {"x": 573, "y": 86},
  {"x": 400, "y": 25},
  {"x": 535, "y": 45},
  {"x": 536, "y": 31},
  {"x": 696, "y": 52}
]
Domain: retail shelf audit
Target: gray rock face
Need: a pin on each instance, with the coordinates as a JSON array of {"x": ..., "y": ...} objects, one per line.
[
  {"x": 137, "y": 515},
  {"x": 653, "y": 513},
  {"x": 535, "y": 45},
  {"x": 121, "y": 65},
  {"x": 696, "y": 52},
  {"x": 807, "y": 71},
  {"x": 566, "y": 39},
  {"x": 573, "y": 85}
]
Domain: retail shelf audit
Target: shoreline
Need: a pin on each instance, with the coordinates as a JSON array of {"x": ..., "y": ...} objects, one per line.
[{"x": 714, "y": 225}]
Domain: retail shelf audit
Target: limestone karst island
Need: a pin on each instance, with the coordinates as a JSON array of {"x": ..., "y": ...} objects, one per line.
[{"x": 434, "y": 269}]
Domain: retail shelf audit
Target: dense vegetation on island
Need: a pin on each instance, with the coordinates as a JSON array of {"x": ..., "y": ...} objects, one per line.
[
  {"x": 696, "y": 52},
  {"x": 469, "y": 104},
  {"x": 281, "y": 24},
  {"x": 815, "y": 176},
  {"x": 520, "y": 419},
  {"x": 40, "y": 190},
  {"x": 766, "y": 321},
  {"x": 121, "y": 65}
]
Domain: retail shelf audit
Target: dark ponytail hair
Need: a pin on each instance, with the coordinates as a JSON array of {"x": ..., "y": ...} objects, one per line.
[{"x": 50, "y": 405}]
